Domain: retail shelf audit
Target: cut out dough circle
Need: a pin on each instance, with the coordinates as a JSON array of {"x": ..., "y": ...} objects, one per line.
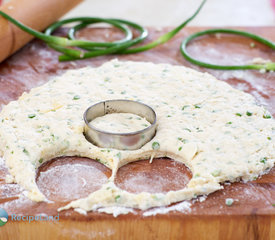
[{"x": 202, "y": 122}]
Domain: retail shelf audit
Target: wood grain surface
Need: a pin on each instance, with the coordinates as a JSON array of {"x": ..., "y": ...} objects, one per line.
[{"x": 252, "y": 215}]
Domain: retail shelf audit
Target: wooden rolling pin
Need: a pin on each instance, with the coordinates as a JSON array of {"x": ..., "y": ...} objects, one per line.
[{"x": 33, "y": 13}]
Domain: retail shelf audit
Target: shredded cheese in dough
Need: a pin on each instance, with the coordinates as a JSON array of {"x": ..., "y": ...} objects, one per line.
[{"x": 219, "y": 132}]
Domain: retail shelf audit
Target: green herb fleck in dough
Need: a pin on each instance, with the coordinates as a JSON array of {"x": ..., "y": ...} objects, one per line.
[
  {"x": 180, "y": 148},
  {"x": 187, "y": 129},
  {"x": 229, "y": 123},
  {"x": 238, "y": 114},
  {"x": 26, "y": 151},
  {"x": 32, "y": 115},
  {"x": 249, "y": 113},
  {"x": 99, "y": 160},
  {"x": 269, "y": 138},
  {"x": 118, "y": 155},
  {"x": 182, "y": 140},
  {"x": 117, "y": 198},
  {"x": 199, "y": 130},
  {"x": 184, "y": 107},
  {"x": 197, "y": 106},
  {"x": 263, "y": 160},
  {"x": 266, "y": 116},
  {"x": 54, "y": 137},
  {"x": 76, "y": 97},
  {"x": 40, "y": 160},
  {"x": 229, "y": 201},
  {"x": 155, "y": 145}
]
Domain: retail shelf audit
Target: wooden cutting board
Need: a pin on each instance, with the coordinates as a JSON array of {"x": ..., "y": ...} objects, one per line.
[{"x": 252, "y": 215}]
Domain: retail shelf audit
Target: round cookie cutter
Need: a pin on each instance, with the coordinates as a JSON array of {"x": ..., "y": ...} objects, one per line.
[{"x": 122, "y": 141}]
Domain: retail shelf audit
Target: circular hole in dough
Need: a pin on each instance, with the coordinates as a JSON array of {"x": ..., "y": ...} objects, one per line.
[
  {"x": 70, "y": 178},
  {"x": 160, "y": 176}
]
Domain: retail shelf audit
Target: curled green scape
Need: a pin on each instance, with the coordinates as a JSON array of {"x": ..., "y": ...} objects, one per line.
[{"x": 88, "y": 49}]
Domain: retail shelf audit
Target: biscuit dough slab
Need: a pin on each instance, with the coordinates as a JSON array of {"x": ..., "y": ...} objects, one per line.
[{"x": 218, "y": 132}]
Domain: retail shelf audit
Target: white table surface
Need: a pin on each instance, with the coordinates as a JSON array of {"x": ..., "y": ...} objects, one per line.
[{"x": 172, "y": 12}]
